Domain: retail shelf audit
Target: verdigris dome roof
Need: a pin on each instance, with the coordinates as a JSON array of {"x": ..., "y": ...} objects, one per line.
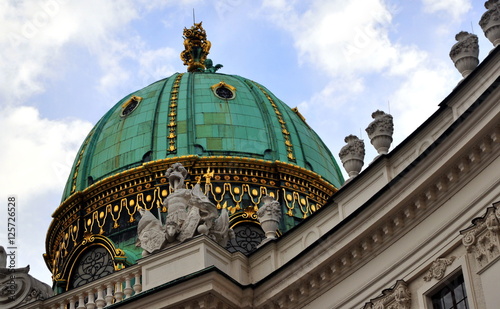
[{"x": 203, "y": 114}]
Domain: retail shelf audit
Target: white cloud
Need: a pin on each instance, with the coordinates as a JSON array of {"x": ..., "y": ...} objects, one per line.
[
  {"x": 36, "y": 158},
  {"x": 408, "y": 59},
  {"x": 155, "y": 64},
  {"x": 37, "y": 153},
  {"x": 419, "y": 95},
  {"x": 455, "y": 8},
  {"x": 33, "y": 35},
  {"x": 338, "y": 36}
]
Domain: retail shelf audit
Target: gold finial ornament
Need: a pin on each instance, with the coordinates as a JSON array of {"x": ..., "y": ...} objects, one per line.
[{"x": 196, "y": 48}]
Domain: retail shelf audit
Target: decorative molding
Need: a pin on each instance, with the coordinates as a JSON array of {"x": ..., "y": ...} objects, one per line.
[
  {"x": 438, "y": 268},
  {"x": 397, "y": 297},
  {"x": 482, "y": 239}
]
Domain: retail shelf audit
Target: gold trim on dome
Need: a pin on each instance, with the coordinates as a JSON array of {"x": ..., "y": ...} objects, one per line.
[
  {"x": 172, "y": 116},
  {"x": 223, "y": 84},
  {"x": 132, "y": 99},
  {"x": 220, "y": 85},
  {"x": 284, "y": 128},
  {"x": 78, "y": 161},
  {"x": 296, "y": 111}
]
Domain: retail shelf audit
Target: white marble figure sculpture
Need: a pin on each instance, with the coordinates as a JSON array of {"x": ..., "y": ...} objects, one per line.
[
  {"x": 189, "y": 211},
  {"x": 150, "y": 233},
  {"x": 17, "y": 287}
]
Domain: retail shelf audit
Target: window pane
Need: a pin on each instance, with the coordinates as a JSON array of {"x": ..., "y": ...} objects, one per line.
[
  {"x": 452, "y": 295},
  {"x": 437, "y": 304},
  {"x": 459, "y": 294},
  {"x": 448, "y": 300},
  {"x": 462, "y": 305}
]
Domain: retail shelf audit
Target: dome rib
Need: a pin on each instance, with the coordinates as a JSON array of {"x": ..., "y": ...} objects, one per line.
[
  {"x": 263, "y": 107},
  {"x": 154, "y": 135}
]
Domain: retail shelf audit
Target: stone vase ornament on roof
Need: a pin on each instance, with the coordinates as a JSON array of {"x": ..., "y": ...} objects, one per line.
[
  {"x": 269, "y": 216},
  {"x": 352, "y": 155},
  {"x": 490, "y": 21},
  {"x": 380, "y": 131},
  {"x": 465, "y": 52}
]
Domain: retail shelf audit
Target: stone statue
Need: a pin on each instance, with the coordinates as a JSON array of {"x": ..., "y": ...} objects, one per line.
[
  {"x": 17, "y": 287},
  {"x": 189, "y": 211},
  {"x": 177, "y": 201},
  {"x": 150, "y": 233},
  {"x": 269, "y": 216},
  {"x": 210, "y": 68}
]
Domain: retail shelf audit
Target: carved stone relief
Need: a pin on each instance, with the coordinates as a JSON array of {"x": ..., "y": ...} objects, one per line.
[
  {"x": 438, "y": 268},
  {"x": 482, "y": 239},
  {"x": 398, "y": 297}
]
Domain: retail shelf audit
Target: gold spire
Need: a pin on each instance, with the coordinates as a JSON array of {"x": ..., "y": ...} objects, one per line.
[{"x": 196, "y": 48}]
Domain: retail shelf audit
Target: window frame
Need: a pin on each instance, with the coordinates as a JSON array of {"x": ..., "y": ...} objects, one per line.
[{"x": 432, "y": 287}]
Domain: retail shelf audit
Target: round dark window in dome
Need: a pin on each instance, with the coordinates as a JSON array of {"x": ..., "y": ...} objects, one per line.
[
  {"x": 130, "y": 105},
  {"x": 224, "y": 93}
]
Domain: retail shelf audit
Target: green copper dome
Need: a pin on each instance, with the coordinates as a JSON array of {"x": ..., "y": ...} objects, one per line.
[
  {"x": 203, "y": 114},
  {"x": 239, "y": 145}
]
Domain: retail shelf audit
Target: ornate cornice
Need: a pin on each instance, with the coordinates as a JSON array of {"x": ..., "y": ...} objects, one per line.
[{"x": 344, "y": 261}]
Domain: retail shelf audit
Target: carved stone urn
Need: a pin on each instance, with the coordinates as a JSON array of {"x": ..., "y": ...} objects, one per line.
[
  {"x": 465, "y": 52},
  {"x": 352, "y": 155},
  {"x": 490, "y": 21},
  {"x": 269, "y": 216},
  {"x": 380, "y": 131}
]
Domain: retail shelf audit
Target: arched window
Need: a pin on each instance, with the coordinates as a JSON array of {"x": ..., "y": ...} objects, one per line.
[
  {"x": 248, "y": 235},
  {"x": 93, "y": 264}
]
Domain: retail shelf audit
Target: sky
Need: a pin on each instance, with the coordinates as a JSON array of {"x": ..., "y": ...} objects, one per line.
[{"x": 64, "y": 63}]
